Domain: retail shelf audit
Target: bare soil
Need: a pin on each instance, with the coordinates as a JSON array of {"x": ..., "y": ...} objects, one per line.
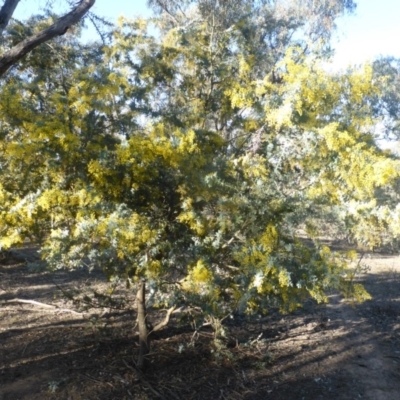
[{"x": 336, "y": 351}]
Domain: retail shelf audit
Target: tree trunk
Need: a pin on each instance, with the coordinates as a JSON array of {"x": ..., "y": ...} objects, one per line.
[
  {"x": 144, "y": 339},
  {"x": 145, "y": 328}
]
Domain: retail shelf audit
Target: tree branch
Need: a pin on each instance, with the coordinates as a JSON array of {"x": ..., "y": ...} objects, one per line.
[
  {"x": 6, "y": 13},
  {"x": 38, "y": 303},
  {"x": 165, "y": 321},
  {"x": 57, "y": 29}
]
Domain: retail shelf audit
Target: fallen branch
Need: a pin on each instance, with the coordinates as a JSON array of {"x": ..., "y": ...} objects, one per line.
[
  {"x": 45, "y": 327},
  {"x": 30, "y": 310},
  {"x": 39, "y": 304}
]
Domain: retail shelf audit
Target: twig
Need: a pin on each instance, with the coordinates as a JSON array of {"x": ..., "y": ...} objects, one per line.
[
  {"x": 146, "y": 383},
  {"x": 23, "y": 352},
  {"x": 389, "y": 356},
  {"x": 172, "y": 393},
  {"x": 97, "y": 381}
]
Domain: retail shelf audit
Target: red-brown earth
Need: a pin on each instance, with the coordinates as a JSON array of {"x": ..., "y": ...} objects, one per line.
[{"x": 335, "y": 351}]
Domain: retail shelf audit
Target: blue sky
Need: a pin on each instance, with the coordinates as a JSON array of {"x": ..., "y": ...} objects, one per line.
[{"x": 374, "y": 30}]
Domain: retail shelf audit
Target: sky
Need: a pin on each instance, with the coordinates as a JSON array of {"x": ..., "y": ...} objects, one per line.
[{"x": 373, "y": 31}]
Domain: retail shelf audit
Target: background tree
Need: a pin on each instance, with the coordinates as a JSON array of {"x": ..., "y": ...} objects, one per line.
[{"x": 386, "y": 106}]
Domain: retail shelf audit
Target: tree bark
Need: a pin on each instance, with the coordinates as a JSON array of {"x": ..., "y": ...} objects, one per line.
[
  {"x": 144, "y": 339},
  {"x": 6, "y": 13},
  {"x": 145, "y": 328},
  {"x": 61, "y": 26}
]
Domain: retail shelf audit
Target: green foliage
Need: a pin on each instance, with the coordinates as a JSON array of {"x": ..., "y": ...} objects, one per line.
[
  {"x": 386, "y": 105},
  {"x": 195, "y": 158}
]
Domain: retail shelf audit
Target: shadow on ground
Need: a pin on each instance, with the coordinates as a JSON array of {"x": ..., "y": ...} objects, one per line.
[{"x": 339, "y": 351}]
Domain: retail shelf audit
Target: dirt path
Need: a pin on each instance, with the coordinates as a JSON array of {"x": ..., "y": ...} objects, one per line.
[
  {"x": 355, "y": 352},
  {"x": 376, "y": 331},
  {"x": 333, "y": 352}
]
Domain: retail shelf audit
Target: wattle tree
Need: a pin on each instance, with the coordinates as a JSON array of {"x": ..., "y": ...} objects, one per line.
[{"x": 194, "y": 153}]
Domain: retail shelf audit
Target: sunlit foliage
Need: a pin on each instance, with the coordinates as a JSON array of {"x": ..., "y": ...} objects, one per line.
[{"x": 197, "y": 160}]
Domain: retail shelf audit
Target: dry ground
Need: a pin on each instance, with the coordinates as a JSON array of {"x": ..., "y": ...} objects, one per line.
[{"x": 320, "y": 352}]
